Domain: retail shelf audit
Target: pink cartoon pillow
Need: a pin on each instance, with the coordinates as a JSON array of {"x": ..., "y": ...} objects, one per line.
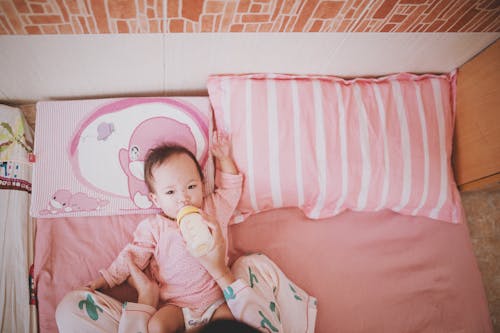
[{"x": 92, "y": 162}]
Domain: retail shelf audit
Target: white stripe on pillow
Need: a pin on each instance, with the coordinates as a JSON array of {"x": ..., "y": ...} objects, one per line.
[
  {"x": 227, "y": 105},
  {"x": 249, "y": 141},
  {"x": 425, "y": 144},
  {"x": 365, "y": 150},
  {"x": 273, "y": 137},
  {"x": 442, "y": 149},
  {"x": 405, "y": 147},
  {"x": 343, "y": 149},
  {"x": 297, "y": 144},
  {"x": 320, "y": 148},
  {"x": 387, "y": 166}
]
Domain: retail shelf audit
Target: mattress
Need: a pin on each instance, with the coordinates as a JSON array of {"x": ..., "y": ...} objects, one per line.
[
  {"x": 371, "y": 272},
  {"x": 375, "y": 272},
  {"x": 388, "y": 262}
]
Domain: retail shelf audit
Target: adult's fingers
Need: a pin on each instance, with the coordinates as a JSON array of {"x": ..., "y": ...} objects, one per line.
[{"x": 212, "y": 224}]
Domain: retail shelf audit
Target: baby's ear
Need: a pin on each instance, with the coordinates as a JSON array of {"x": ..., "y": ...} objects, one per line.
[{"x": 152, "y": 196}]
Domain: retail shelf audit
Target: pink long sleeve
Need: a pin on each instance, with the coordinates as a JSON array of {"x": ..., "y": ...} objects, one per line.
[
  {"x": 140, "y": 249},
  {"x": 222, "y": 203}
]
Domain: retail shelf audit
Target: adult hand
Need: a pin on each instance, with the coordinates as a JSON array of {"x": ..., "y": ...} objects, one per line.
[
  {"x": 215, "y": 260},
  {"x": 148, "y": 291}
]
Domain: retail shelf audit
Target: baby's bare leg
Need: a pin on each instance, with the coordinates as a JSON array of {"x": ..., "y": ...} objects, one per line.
[
  {"x": 222, "y": 312},
  {"x": 168, "y": 319}
]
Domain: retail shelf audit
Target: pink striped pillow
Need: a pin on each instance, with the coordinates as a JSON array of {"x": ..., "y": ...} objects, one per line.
[{"x": 326, "y": 144}]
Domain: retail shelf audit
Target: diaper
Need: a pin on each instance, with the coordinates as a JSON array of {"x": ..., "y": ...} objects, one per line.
[{"x": 192, "y": 319}]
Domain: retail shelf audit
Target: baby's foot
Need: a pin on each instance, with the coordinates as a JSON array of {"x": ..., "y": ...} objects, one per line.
[{"x": 147, "y": 290}]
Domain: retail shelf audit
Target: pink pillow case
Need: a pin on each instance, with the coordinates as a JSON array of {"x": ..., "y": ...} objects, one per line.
[
  {"x": 90, "y": 153},
  {"x": 326, "y": 144}
]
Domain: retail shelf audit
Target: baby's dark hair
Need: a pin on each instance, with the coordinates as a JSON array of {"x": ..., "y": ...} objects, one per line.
[
  {"x": 159, "y": 154},
  {"x": 227, "y": 326}
]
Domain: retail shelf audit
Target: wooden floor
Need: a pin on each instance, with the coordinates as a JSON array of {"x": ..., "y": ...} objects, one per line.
[{"x": 482, "y": 209}]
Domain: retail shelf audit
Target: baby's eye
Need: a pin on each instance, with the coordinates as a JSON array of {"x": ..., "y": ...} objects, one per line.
[
  {"x": 193, "y": 186},
  {"x": 169, "y": 192}
]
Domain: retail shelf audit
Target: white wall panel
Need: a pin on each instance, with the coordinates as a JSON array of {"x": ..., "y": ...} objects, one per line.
[
  {"x": 54, "y": 66},
  {"x": 81, "y": 66},
  {"x": 192, "y": 57}
]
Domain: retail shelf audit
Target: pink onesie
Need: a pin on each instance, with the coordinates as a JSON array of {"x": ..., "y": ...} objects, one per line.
[{"x": 158, "y": 242}]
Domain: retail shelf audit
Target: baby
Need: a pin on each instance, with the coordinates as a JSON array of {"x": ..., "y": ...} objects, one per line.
[{"x": 189, "y": 296}]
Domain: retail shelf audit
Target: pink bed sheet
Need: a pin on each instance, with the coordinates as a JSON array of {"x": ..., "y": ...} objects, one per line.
[{"x": 371, "y": 272}]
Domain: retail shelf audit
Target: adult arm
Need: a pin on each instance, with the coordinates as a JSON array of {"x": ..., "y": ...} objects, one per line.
[
  {"x": 139, "y": 250},
  {"x": 135, "y": 316},
  {"x": 245, "y": 304}
]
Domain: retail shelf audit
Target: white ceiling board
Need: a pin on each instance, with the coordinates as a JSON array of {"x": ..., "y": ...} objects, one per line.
[
  {"x": 384, "y": 53},
  {"x": 190, "y": 58},
  {"x": 68, "y": 66},
  {"x": 83, "y": 66}
]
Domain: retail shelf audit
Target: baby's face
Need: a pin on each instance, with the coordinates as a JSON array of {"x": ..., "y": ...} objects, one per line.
[{"x": 177, "y": 183}]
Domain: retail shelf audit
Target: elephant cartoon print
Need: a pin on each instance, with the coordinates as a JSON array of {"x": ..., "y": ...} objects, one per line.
[{"x": 63, "y": 201}]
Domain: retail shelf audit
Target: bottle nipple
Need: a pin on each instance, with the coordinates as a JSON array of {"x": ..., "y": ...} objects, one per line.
[{"x": 185, "y": 211}]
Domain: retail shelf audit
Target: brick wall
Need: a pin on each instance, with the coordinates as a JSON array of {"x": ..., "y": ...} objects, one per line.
[{"x": 27, "y": 17}]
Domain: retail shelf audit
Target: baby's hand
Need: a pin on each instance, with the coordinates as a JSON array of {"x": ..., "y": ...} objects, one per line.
[
  {"x": 221, "y": 149},
  {"x": 97, "y": 284},
  {"x": 221, "y": 145}
]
